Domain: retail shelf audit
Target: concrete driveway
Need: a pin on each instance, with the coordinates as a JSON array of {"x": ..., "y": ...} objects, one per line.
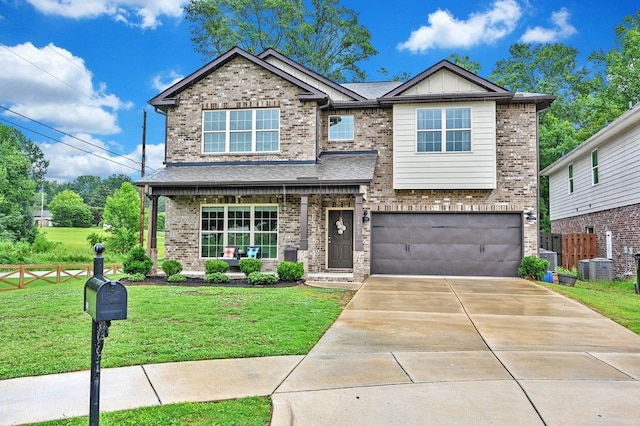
[{"x": 445, "y": 350}]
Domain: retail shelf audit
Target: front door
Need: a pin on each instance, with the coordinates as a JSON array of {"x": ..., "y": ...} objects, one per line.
[{"x": 340, "y": 239}]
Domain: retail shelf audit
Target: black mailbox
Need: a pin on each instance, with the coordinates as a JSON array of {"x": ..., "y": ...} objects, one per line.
[{"x": 105, "y": 300}]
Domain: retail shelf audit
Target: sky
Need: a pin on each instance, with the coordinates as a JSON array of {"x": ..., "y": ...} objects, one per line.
[{"x": 76, "y": 75}]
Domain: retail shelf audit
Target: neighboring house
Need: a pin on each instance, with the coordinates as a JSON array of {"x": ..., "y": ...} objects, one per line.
[
  {"x": 43, "y": 218},
  {"x": 431, "y": 176},
  {"x": 596, "y": 189}
]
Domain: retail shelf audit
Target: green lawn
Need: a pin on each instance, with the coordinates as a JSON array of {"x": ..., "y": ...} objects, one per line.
[{"x": 616, "y": 300}]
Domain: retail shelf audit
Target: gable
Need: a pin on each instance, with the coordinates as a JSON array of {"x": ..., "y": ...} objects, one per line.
[{"x": 443, "y": 81}]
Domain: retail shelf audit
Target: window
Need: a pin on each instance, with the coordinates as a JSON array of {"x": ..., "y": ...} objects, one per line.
[
  {"x": 341, "y": 128},
  {"x": 595, "y": 177},
  {"x": 589, "y": 230},
  {"x": 456, "y": 131},
  {"x": 570, "y": 178},
  {"x": 241, "y": 226},
  {"x": 241, "y": 131}
]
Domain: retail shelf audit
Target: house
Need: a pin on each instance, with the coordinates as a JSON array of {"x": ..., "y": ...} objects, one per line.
[
  {"x": 42, "y": 218},
  {"x": 596, "y": 189},
  {"x": 430, "y": 176}
]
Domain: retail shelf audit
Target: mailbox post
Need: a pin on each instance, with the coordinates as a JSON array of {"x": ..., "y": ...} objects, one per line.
[
  {"x": 105, "y": 301},
  {"x": 637, "y": 257}
]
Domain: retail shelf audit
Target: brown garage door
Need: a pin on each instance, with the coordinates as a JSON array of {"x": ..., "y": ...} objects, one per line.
[{"x": 467, "y": 244}]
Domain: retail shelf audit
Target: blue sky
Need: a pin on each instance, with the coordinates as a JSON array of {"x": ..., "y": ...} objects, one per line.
[{"x": 88, "y": 67}]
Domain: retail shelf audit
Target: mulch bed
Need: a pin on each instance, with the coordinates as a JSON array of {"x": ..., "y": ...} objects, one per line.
[{"x": 199, "y": 282}]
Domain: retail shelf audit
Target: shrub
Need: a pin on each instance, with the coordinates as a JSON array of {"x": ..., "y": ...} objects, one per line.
[
  {"x": 290, "y": 271},
  {"x": 216, "y": 277},
  {"x": 137, "y": 262},
  {"x": 215, "y": 266},
  {"x": 171, "y": 267},
  {"x": 137, "y": 277},
  {"x": 258, "y": 278},
  {"x": 95, "y": 238},
  {"x": 533, "y": 266},
  {"x": 42, "y": 245},
  {"x": 249, "y": 265},
  {"x": 176, "y": 278}
]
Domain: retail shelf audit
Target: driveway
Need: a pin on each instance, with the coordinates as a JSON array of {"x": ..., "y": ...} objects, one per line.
[{"x": 447, "y": 350}]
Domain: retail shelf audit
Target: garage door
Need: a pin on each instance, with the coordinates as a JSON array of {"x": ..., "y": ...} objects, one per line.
[{"x": 467, "y": 244}]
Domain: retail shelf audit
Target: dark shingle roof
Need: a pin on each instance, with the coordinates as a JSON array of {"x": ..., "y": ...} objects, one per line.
[
  {"x": 372, "y": 90},
  {"x": 334, "y": 169}
]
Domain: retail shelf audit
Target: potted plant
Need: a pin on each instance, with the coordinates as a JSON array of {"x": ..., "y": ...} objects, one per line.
[{"x": 567, "y": 276}]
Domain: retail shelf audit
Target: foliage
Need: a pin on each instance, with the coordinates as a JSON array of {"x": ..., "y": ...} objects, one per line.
[
  {"x": 137, "y": 277},
  {"x": 137, "y": 262},
  {"x": 290, "y": 271},
  {"x": 122, "y": 215},
  {"x": 258, "y": 278},
  {"x": 249, "y": 265},
  {"x": 42, "y": 245},
  {"x": 17, "y": 185},
  {"x": 95, "y": 238},
  {"x": 93, "y": 190},
  {"x": 322, "y": 35},
  {"x": 171, "y": 267},
  {"x": 534, "y": 267},
  {"x": 176, "y": 278},
  {"x": 465, "y": 62},
  {"x": 564, "y": 271},
  {"x": 14, "y": 253},
  {"x": 216, "y": 277},
  {"x": 69, "y": 210},
  {"x": 215, "y": 265}
]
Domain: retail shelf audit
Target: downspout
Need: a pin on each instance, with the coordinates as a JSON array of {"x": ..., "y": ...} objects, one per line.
[
  {"x": 166, "y": 129},
  {"x": 321, "y": 108}
]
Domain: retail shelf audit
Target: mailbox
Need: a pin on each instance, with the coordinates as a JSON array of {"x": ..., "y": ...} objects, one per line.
[{"x": 105, "y": 300}]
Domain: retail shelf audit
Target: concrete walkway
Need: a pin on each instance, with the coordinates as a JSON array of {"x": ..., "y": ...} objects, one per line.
[{"x": 406, "y": 351}]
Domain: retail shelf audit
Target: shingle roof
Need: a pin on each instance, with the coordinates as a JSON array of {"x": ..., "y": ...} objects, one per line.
[
  {"x": 335, "y": 168},
  {"x": 372, "y": 90}
]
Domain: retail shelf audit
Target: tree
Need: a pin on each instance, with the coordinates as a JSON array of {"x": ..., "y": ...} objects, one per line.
[
  {"x": 122, "y": 217},
  {"x": 17, "y": 186},
  {"x": 322, "y": 35},
  {"x": 69, "y": 210},
  {"x": 465, "y": 62}
]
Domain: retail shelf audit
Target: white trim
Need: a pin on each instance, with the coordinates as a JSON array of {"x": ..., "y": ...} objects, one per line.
[
  {"x": 443, "y": 129},
  {"x": 227, "y": 132},
  {"x": 353, "y": 128},
  {"x": 594, "y": 169}
]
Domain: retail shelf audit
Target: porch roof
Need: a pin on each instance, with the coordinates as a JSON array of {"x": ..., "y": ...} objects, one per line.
[{"x": 340, "y": 172}]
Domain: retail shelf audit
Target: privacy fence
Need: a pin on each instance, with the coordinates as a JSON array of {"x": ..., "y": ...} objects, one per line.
[{"x": 571, "y": 248}]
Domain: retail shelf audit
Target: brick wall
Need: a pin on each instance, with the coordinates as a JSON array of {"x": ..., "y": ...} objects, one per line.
[{"x": 624, "y": 224}]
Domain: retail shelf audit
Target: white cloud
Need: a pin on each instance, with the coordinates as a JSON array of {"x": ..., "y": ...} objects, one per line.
[
  {"x": 165, "y": 79},
  {"x": 52, "y": 85},
  {"x": 71, "y": 158},
  {"x": 561, "y": 29},
  {"x": 142, "y": 13},
  {"x": 445, "y": 31}
]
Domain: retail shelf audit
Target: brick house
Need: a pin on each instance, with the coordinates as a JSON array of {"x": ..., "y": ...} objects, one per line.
[
  {"x": 435, "y": 175},
  {"x": 596, "y": 189}
]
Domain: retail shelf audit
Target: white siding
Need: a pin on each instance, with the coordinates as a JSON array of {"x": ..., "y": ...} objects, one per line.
[
  {"x": 619, "y": 179},
  {"x": 458, "y": 170},
  {"x": 333, "y": 94},
  {"x": 443, "y": 82}
]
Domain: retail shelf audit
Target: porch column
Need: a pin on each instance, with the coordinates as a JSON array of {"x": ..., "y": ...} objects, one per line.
[
  {"x": 358, "y": 243},
  {"x": 304, "y": 222},
  {"x": 152, "y": 237}
]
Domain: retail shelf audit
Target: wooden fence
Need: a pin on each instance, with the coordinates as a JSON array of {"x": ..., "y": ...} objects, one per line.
[
  {"x": 19, "y": 276},
  {"x": 571, "y": 248}
]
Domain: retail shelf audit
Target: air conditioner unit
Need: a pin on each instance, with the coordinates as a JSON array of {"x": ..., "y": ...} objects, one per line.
[
  {"x": 550, "y": 256},
  {"x": 600, "y": 269},
  {"x": 583, "y": 270}
]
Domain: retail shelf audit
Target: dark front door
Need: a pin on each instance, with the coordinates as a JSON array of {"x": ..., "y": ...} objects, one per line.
[{"x": 340, "y": 239}]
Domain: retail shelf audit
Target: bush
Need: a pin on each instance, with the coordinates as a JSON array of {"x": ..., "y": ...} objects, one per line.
[
  {"x": 176, "y": 278},
  {"x": 171, "y": 267},
  {"x": 137, "y": 277},
  {"x": 42, "y": 245},
  {"x": 534, "y": 267},
  {"x": 14, "y": 253},
  {"x": 95, "y": 238},
  {"x": 137, "y": 262},
  {"x": 215, "y": 266},
  {"x": 216, "y": 277},
  {"x": 249, "y": 265},
  {"x": 258, "y": 278},
  {"x": 290, "y": 271}
]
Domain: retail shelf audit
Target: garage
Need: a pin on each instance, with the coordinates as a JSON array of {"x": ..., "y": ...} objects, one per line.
[{"x": 463, "y": 244}]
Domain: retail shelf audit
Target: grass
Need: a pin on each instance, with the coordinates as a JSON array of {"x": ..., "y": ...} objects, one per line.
[
  {"x": 247, "y": 412},
  {"x": 164, "y": 324},
  {"x": 616, "y": 300}
]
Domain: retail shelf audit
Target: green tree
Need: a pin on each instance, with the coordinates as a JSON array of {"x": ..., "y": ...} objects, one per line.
[
  {"x": 17, "y": 187},
  {"x": 322, "y": 35},
  {"x": 122, "y": 218},
  {"x": 69, "y": 210},
  {"x": 465, "y": 62}
]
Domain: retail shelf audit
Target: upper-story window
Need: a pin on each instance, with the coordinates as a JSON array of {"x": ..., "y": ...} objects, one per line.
[
  {"x": 242, "y": 130},
  {"x": 341, "y": 127},
  {"x": 570, "y": 178},
  {"x": 595, "y": 176},
  {"x": 454, "y": 130}
]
